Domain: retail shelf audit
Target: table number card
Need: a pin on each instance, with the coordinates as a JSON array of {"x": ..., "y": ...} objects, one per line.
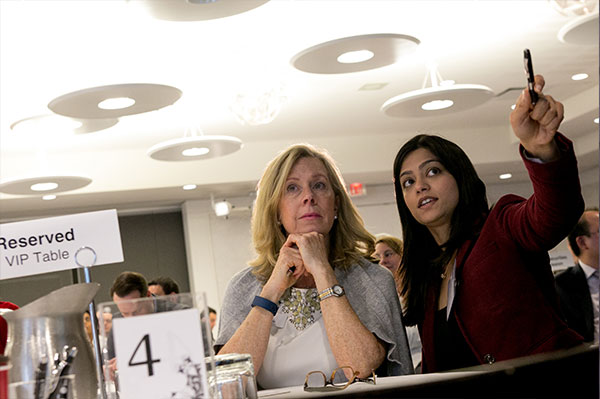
[{"x": 161, "y": 355}]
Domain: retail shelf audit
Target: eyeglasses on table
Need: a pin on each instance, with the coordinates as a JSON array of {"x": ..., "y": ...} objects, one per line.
[{"x": 316, "y": 381}]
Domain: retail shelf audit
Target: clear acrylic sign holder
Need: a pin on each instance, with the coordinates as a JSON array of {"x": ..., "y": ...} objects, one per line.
[{"x": 158, "y": 347}]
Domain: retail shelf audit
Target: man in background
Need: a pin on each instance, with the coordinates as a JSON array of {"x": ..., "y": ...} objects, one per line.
[
  {"x": 129, "y": 286},
  {"x": 577, "y": 286},
  {"x": 163, "y": 286}
]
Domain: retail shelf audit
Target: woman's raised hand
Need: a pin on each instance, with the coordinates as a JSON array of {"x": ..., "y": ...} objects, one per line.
[{"x": 535, "y": 126}]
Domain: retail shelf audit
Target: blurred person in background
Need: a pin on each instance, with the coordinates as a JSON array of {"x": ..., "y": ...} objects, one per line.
[
  {"x": 388, "y": 252},
  {"x": 577, "y": 286}
]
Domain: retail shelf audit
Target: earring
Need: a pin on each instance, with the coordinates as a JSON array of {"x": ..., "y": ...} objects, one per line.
[{"x": 335, "y": 217}]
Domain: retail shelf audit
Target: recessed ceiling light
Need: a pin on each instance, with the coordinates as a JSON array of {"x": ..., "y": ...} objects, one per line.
[
  {"x": 579, "y": 76},
  {"x": 352, "y": 57},
  {"x": 505, "y": 176},
  {"x": 44, "y": 186},
  {"x": 437, "y": 104},
  {"x": 189, "y": 187},
  {"x": 49, "y": 197},
  {"x": 116, "y": 103},
  {"x": 195, "y": 151},
  {"x": 596, "y": 120}
]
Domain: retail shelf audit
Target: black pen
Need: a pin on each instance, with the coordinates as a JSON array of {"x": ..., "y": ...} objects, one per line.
[{"x": 292, "y": 269}]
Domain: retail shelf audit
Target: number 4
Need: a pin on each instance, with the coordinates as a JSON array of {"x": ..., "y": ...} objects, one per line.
[{"x": 149, "y": 360}]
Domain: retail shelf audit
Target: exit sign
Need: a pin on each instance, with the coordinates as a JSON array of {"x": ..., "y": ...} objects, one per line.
[{"x": 357, "y": 189}]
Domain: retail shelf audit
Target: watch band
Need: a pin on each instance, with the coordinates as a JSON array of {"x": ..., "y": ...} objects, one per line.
[
  {"x": 265, "y": 304},
  {"x": 335, "y": 290}
]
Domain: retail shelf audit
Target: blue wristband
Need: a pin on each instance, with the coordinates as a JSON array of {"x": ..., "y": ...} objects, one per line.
[{"x": 265, "y": 304}]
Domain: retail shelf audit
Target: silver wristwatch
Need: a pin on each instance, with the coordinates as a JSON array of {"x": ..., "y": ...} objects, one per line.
[{"x": 336, "y": 290}]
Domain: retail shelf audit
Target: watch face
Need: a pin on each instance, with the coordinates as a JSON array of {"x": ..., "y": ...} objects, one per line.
[{"x": 337, "y": 290}]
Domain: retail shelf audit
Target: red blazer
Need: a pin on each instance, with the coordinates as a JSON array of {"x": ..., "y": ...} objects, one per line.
[{"x": 505, "y": 303}]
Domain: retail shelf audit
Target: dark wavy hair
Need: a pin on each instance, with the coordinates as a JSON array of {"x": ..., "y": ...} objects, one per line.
[
  {"x": 127, "y": 282},
  {"x": 167, "y": 283},
  {"x": 422, "y": 258}
]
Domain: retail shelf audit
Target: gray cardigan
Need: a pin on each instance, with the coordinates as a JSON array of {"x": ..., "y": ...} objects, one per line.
[{"x": 371, "y": 291}]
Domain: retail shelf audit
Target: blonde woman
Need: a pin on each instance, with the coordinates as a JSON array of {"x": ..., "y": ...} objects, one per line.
[
  {"x": 388, "y": 251},
  {"x": 311, "y": 300}
]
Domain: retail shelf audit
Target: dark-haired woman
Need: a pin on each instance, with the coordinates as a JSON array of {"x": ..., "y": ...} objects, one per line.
[{"x": 476, "y": 281}]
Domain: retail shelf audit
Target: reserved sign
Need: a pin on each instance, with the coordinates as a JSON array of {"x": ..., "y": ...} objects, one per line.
[{"x": 50, "y": 244}]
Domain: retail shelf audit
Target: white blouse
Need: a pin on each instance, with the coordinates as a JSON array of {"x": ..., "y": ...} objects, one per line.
[{"x": 298, "y": 342}]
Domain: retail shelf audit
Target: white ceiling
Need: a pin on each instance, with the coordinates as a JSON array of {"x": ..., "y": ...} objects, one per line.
[{"x": 50, "y": 48}]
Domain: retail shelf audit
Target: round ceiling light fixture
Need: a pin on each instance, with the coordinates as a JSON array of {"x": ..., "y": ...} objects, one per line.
[
  {"x": 423, "y": 102},
  {"x": 437, "y": 99},
  {"x": 581, "y": 30},
  {"x": 45, "y": 184},
  {"x": 194, "y": 148},
  {"x": 52, "y": 123},
  {"x": 198, "y": 10},
  {"x": 85, "y": 104},
  {"x": 385, "y": 48}
]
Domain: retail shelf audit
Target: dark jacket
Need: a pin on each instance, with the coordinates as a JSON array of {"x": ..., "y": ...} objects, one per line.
[{"x": 576, "y": 301}]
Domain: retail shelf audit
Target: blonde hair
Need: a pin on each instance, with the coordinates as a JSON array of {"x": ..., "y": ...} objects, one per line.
[
  {"x": 394, "y": 243},
  {"x": 349, "y": 240}
]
